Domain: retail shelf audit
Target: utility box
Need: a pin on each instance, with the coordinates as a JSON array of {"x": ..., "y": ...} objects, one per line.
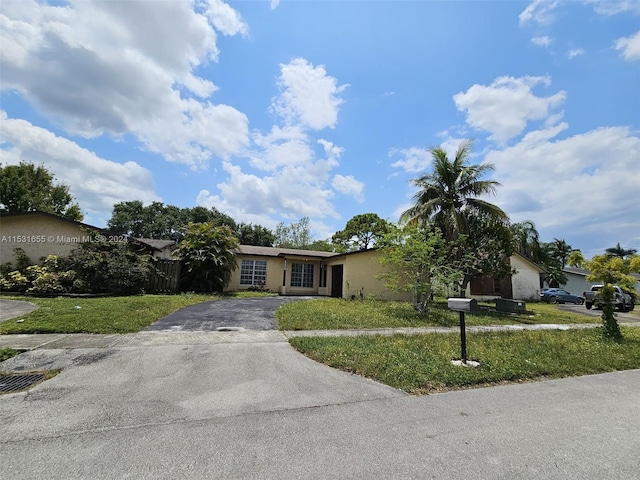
[
  {"x": 511, "y": 306},
  {"x": 462, "y": 304}
]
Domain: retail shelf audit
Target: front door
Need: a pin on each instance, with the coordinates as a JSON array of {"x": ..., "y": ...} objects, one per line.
[{"x": 336, "y": 281}]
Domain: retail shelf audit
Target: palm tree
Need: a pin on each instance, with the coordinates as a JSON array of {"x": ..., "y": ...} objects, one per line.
[
  {"x": 561, "y": 250},
  {"x": 449, "y": 195},
  {"x": 527, "y": 239},
  {"x": 620, "y": 252}
]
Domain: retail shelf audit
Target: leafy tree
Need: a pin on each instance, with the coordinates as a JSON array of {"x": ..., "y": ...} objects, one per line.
[
  {"x": 249, "y": 234},
  {"x": 296, "y": 235},
  {"x": 620, "y": 252},
  {"x": 26, "y": 187},
  {"x": 361, "y": 232},
  {"x": 576, "y": 259},
  {"x": 484, "y": 250},
  {"x": 614, "y": 270},
  {"x": 449, "y": 195},
  {"x": 416, "y": 257},
  {"x": 207, "y": 254},
  {"x": 158, "y": 220},
  {"x": 322, "y": 246},
  {"x": 609, "y": 321}
]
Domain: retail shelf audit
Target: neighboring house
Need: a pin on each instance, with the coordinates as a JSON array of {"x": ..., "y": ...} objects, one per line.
[
  {"x": 157, "y": 248},
  {"x": 354, "y": 274},
  {"x": 40, "y": 234},
  {"x": 577, "y": 280},
  {"x": 523, "y": 285}
]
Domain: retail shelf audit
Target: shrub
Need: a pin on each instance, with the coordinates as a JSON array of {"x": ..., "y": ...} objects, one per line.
[{"x": 14, "y": 282}]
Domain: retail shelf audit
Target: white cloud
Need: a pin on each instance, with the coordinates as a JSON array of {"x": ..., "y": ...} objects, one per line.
[
  {"x": 575, "y": 52},
  {"x": 96, "y": 183},
  {"x": 576, "y": 188},
  {"x": 504, "y": 107},
  {"x": 348, "y": 185},
  {"x": 613, "y": 7},
  {"x": 308, "y": 95},
  {"x": 282, "y": 146},
  {"x": 538, "y": 11},
  {"x": 225, "y": 19},
  {"x": 293, "y": 189},
  {"x": 630, "y": 46},
  {"x": 543, "y": 41},
  {"x": 414, "y": 159},
  {"x": 274, "y": 4},
  {"x": 99, "y": 67}
]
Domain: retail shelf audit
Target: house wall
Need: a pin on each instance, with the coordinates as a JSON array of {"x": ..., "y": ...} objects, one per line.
[
  {"x": 526, "y": 282},
  {"x": 360, "y": 272},
  {"x": 274, "y": 274},
  {"x": 576, "y": 283},
  {"x": 38, "y": 236}
]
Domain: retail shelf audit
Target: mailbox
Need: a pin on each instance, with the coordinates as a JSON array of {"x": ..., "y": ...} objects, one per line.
[{"x": 462, "y": 304}]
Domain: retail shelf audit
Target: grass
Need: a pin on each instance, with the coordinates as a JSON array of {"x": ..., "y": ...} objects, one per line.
[
  {"x": 101, "y": 314},
  {"x": 420, "y": 364},
  {"x": 332, "y": 313},
  {"x": 7, "y": 353}
]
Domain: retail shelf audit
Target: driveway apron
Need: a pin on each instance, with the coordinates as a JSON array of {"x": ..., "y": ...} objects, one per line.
[{"x": 228, "y": 314}]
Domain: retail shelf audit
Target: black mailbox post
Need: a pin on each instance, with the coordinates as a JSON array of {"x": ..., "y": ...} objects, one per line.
[{"x": 463, "y": 305}]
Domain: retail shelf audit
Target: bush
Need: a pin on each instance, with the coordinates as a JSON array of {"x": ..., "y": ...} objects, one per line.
[
  {"x": 95, "y": 267},
  {"x": 108, "y": 267},
  {"x": 14, "y": 282}
]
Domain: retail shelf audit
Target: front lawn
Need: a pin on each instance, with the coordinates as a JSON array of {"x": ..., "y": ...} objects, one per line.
[
  {"x": 98, "y": 315},
  {"x": 420, "y": 364},
  {"x": 333, "y": 313}
]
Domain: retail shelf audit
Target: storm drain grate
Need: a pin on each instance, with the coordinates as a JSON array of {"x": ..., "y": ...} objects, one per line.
[{"x": 16, "y": 383}]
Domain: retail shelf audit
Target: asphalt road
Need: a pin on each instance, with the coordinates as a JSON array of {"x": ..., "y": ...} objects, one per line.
[
  {"x": 260, "y": 410},
  {"x": 581, "y": 309}
]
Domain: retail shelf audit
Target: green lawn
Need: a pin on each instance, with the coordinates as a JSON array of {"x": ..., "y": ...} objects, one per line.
[
  {"x": 7, "y": 353},
  {"x": 101, "y": 314},
  {"x": 420, "y": 364},
  {"x": 332, "y": 313}
]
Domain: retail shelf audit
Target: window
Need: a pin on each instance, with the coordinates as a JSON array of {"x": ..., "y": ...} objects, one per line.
[
  {"x": 302, "y": 275},
  {"x": 253, "y": 272}
]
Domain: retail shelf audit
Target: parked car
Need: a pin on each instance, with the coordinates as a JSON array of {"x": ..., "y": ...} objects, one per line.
[
  {"x": 558, "y": 295},
  {"x": 621, "y": 299}
]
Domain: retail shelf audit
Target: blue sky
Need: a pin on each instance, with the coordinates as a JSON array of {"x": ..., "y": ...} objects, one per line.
[{"x": 271, "y": 111}]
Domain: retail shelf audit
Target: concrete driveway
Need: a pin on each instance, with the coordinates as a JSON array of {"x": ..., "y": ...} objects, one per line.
[
  {"x": 228, "y": 314},
  {"x": 14, "y": 308}
]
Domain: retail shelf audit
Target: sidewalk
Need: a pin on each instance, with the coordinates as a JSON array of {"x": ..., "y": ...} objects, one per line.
[{"x": 170, "y": 337}]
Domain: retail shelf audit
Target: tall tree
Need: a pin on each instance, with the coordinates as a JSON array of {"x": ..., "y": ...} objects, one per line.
[
  {"x": 296, "y": 235},
  {"x": 250, "y": 234},
  {"x": 450, "y": 194},
  {"x": 26, "y": 187},
  {"x": 527, "y": 239},
  {"x": 561, "y": 250},
  {"x": 479, "y": 241},
  {"x": 158, "y": 220},
  {"x": 361, "y": 232},
  {"x": 620, "y": 252}
]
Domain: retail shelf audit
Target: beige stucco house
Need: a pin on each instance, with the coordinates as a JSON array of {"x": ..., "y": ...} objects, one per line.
[{"x": 354, "y": 274}]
